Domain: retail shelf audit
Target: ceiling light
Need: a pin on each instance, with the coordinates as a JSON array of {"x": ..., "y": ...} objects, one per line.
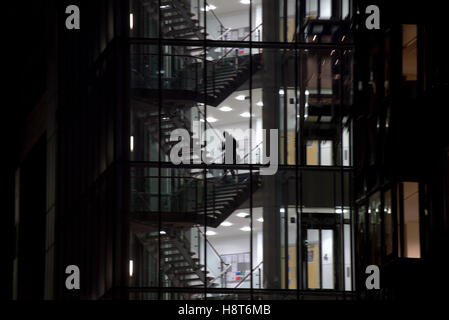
[
  {"x": 211, "y": 119},
  {"x": 162, "y": 232},
  {"x": 281, "y": 91},
  {"x": 165, "y": 6},
  {"x": 307, "y": 92},
  {"x": 225, "y": 109},
  {"x": 209, "y": 7},
  {"x": 245, "y": 229},
  {"x": 131, "y": 143},
  {"x": 131, "y": 268},
  {"x": 240, "y": 97},
  {"x": 260, "y": 219},
  {"x": 242, "y": 214},
  {"x": 260, "y": 104},
  {"x": 226, "y": 224},
  {"x": 131, "y": 21},
  {"x": 201, "y": 120},
  {"x": 210, "y": 233},
  {"x": 245, "y": 1},
  {"x": 245, "y": 114}
]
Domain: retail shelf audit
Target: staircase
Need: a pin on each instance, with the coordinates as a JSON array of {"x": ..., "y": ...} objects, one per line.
[
  {"x": 225, "y": 195},
  {"x": 171, "y": 119},
  {"x": 226, "y": 75},
  {"x": 186, "y": 207},
  {"x": 177, "y": 19},
  {"x": 177, "y": 261}
]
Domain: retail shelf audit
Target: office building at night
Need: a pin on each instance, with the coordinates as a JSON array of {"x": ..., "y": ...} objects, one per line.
[{"x": 361, "y": 166}]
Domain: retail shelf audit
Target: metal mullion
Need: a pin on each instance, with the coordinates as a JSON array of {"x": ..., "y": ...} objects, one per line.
[
  {"x": 342, "y": 176},
  {"x": 320, "y": 261},
  {"x": 251, "y": 146},
  {"x": 205, "y": 143},
  {"x": 159, "y": 150},
  {"x": 401, "y": 219},
  {"x": 298, "y": 233}
]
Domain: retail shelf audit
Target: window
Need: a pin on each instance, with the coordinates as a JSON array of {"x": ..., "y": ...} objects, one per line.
[
  {"x": 410, "y": 59},
  {"x": 388, "y": 223},
  {"x": 411, "y": 237}
]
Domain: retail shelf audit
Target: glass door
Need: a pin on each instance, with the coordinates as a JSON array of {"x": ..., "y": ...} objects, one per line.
[{"x": 319, "y": 257}]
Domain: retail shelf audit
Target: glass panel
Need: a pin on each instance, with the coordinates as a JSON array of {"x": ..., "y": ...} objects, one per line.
[
  {"x": 347, "y": 266},
  {"x": 143, "y": 18},
  {"x": 313, "y": 259},
  {"x": 410, "y": 59},
  {"x": 388, "y": 223},
  {"x": 325, "y": 9},
  {"x": 327, "y": 258},
  {"x": 311, "y": 9},
  {"x": 345, "y": 9},
  {"x": 229, "y": 20},
  {"x": 374, "y": 228},
  {"x": 411, "y": 220}
]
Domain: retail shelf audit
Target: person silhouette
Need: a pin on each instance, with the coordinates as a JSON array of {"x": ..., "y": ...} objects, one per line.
[{"x": 225, "y": 151}]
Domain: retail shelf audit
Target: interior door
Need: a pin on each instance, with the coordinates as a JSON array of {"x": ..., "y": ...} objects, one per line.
[{"x": 319, "y": 257}]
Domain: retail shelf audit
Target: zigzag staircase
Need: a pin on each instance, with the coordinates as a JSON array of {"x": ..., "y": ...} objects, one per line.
[{"x": 177, "y": 261}]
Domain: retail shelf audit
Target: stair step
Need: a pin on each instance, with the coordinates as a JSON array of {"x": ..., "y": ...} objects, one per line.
[
  {"x": 187, "y": 36},
  {"x": 172, "y": 255},
  {"x": 175, "y": 16},
  {"x": 189, "y": 30},
  {"x": 195, "y": 49},
  {"x": 184, "y": 273}
]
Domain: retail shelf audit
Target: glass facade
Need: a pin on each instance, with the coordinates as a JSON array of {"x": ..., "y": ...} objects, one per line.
[{"x": 207, "y": 78}]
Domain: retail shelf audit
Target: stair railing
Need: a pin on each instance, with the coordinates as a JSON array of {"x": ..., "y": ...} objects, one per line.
[
  {"x": 249, "y": 274},
  {"x": 244, "y": 38},
  {"x": 218, "y": 267}
]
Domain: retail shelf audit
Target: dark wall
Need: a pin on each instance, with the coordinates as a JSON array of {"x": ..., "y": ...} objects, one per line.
[{"x": 32, "y": 215}]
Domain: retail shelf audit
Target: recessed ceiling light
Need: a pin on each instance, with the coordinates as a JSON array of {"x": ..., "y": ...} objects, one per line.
[
  {"x": 225, "y": 109},
  {"x": 210, "y": 233},
  {"x": 211, "y": 119},
  {"x": 245, "y": 229},
  {"x": 226, "y": 224},
  {"x": 242, "y": 214},
  {"x": 209, "y": 7},
  {"x": 260, "y": 219},
  {"x": 165, "y": 6},
  {"x": 281, "y": 91},
  {"x": 240, "y": 97},
  {"x": 162, "y": 232},
  {"x": 260, "y": 104},
  {"x": 245, "y": 1},
  {"x": 245, "y": 115},
  {"x": 281, "y": 210}
]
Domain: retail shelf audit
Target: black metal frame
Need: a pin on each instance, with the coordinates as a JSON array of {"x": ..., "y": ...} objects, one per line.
[{"x": 297, "y": 46}]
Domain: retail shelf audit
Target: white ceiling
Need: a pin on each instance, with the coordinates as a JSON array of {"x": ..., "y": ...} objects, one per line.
[
  {"x": 237, "y": 223},
  {"x": 238, "y": 107},
  {"x": 226, "y": 6}
]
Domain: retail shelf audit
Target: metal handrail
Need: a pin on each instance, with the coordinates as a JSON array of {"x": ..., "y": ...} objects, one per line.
[
  {"x": 230, "y": 50},
  {"x": 215, "y": 16},
  {"x": 222, "y": 273},
  {"x": 213, "y": 249},
  {"x": 246, "y": 277}
]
